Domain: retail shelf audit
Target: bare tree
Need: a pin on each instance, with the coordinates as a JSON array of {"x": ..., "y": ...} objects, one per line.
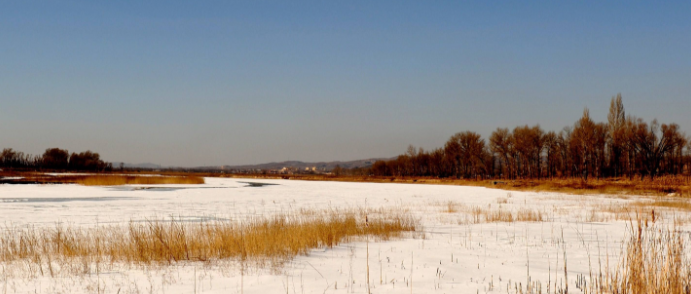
[
  {"x": 501, "y": 143},
  {"x": 472, "y": 153},
  {"x": 653, "y": 142},
  {"x": 616, "y": 124},
  {"x": 621, "y": 146},
  {"x": 55, "y": 158},
  {"x": 552, "y": 148},
  {"x": 538, "y": 140},
  {"x": 583, "y": 141}
]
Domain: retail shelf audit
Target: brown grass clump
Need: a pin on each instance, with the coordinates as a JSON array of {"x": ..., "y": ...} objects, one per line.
[
  {"x": 273, "y": 240},
  {"x": 489, "y": 215},
  {"x": 452, "y": 207},
  {"x": 605, "y": 212},
  {"x": 655, "y": 261},
  {"x": 529, "y": 215},
  {"x": 498, "y": 215},
  {"x": 479, "y": 214}
]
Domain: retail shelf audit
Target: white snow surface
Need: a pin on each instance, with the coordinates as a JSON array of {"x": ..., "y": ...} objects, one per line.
[{"x": 447, "y": 255}]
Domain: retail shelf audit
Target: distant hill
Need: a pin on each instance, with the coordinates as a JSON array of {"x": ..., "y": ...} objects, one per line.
[
  {"x": 138, "y": 165},
  {"x": 322, "y": 166}
]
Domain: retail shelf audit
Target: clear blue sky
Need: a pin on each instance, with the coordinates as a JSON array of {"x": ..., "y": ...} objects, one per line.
[{"x": 236, "y": 82}]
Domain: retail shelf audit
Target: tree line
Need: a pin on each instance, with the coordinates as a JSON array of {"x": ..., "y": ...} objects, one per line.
[
  {"x": 624, "y": 146},
  {"x": 54, "y": 159}
]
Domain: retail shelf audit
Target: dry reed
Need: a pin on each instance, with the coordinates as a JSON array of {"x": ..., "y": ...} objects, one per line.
[
  {"x": 492, "y": 215},
  {"x": 266, "y": 240},
  {"x": 655, "y": 261}
]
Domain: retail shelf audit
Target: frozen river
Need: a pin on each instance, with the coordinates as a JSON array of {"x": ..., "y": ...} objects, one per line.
[{"x": 452, "y": 253}]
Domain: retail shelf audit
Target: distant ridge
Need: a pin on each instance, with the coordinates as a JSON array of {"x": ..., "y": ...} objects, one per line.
[
  {"x": 137, "y": 165},
  {"x": 322, "y": 165}
]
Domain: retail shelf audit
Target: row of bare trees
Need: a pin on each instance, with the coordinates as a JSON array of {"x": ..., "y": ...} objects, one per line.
[
  {"x": 54, "y": 159},
  {"x": 623, "y": 146}
]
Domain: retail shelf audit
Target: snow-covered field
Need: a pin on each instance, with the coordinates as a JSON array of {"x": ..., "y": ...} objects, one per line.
[{"x": 451, "y": 253}]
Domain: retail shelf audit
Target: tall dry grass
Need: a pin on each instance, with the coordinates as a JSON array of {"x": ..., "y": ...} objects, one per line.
[
  {"x": 261, "y": 241},
  {"x": 656, "y": 260}
]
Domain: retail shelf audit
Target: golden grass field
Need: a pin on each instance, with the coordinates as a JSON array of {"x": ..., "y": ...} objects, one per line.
[
  {"x": 263, "y": 241},
  {"x": 115, "y": 180}
]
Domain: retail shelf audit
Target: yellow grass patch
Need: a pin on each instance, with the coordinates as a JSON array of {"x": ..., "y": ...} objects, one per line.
[
  {"x": 116, "y": 180},
  {"x": 529, "y": 215},
  {"x": 675, "y": 204},
  {"x": 273, "y": 240},
  {"x": 671, "y": 208}
]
